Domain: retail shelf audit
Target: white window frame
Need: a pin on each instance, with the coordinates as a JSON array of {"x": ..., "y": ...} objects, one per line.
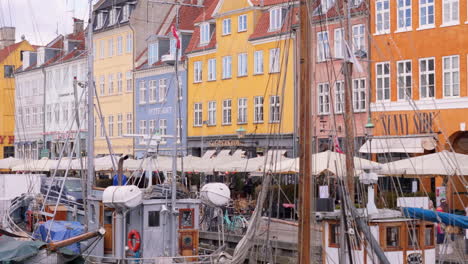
[
  {"x": 204, "y": 33},
  {"x": 119, "y": 124},
  {"x": 275, "y": 60},
  {"x": 111, "y": 84},
  {"x": 119, "y": 82},
  {"x": 152, "y": 91},
  {"x": 380, "y": 79},
  {"x": 275, "y": 109},
  {"x": 103, "y": 127},
  {"x": 323, "y": 91},
  {"x": 212, "y": 113},
  {"x": 227, "y": 67},
  {"x": 242, "y": 65},
  {"x": 102, "y": 49},
  {"x": 402, "y": 79},
  {"x": 113, "y": 16},
  {"x": 179, "y": 128},
  {"x": 129, "y": 44},
  {"x": 323, "y": 46},
  {"x": 142, "y": 129},
  {"x": 382, "y": 17},
  {"x": 242, "y": 111},
  {"x": 451, "y": 88},
  {"x": 424, "y": 13},
  {"x": 151, "y": 126},
  {"x": 402, "y": 16},
  {"x": 227, "y": 112},
  {"x": 211, "y": 69},
  {"x": 125, "y": 13},
  {"x": 102, "y": 85},
  {"x": 258, "y": 109},
  {"x": 163, "y": 128},
  {"x": 129, "y": 123},
  {"x": 339, "y": 43},
  {"x": 197, "y": 71},
  {"x": 242, "y": 23},
  {"x": 258, "y": 62},
  {"x": 153, "y": 53},
  {"x": 359, "y": 37},
  {"x": 453, "y": 17},
  {"x": 100, "y": 20},
  {"x": 142, "y": 90},
  {"x": 339, "y": 97},
  {"x": 162, "y": 90},
  {"x": 110, "y": 122},
  {"x": 276, "y": 19},
  {"x": 359, "y": 94},
  {"x": 110, "y": 47},
  {"x": 226, "y": 26},
  {"x": 425, "y": 75},
  {"x": 197, "y": 114},
  {"x": 129, "y": 79}
]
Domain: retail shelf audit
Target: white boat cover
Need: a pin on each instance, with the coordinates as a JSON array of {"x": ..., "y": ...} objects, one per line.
[
  {"x": 398, "y": 145},
  {"x": 9, "y": 163}
]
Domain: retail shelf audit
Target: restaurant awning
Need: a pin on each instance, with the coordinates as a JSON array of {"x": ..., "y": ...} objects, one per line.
[{"x": 398, "y": 144}]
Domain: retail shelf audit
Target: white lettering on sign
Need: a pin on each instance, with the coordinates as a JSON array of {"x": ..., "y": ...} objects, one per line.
[{"x": 157, "y": 111}]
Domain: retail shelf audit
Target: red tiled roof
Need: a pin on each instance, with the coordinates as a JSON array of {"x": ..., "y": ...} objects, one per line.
[
  {"x": 269, "y": 2},
  {"x": 141, "y": 65},
  {"x": 263, "y": 25},
  {"x": 5, "y": 52},
  {"x": 333, "y": 11},
  {"x": 195, "y": 41},
  {"x": 207, "y": 12}
]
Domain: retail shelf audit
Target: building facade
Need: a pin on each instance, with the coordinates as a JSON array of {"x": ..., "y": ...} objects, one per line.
[
  {"x": 330, "y": 46},
  {"x": 10, "y": 61},
  {"x": 241, "y": 82}
]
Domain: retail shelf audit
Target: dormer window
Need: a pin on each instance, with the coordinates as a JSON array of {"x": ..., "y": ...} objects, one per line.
[
  {"x": 327, "y": 4},
  {"x": 40, "y": 56},
  {"x": 100, "y": 20},
  {"x": 276, "y": 19},
  {"x": 153, "y": 53},
  {"x": 204, "y": 33},
  {"x": 113, "y": 17},
  {"x": 125, "y": 13}
]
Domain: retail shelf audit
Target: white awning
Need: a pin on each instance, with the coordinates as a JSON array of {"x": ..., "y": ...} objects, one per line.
[{"x": 398, "y": 145}]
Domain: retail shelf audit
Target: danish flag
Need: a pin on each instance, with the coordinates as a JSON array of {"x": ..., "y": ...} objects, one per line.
[
  {"x": 337, "y": 146},
  {"x": 175, "y": 33}
]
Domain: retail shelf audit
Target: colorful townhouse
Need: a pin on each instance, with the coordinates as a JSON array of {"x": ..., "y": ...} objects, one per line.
[
  {"x": 156, "y": 85},
  {"x": 331, "y": 49},
  {"x": 241, "y": 82},
  {"x": 10, "y": 61},
  {"x": 120, "y": 31},
  {"x": 419, "y": 70}
]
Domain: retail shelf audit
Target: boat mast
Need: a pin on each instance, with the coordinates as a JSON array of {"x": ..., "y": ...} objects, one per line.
[{"x": 305, "y": 137}]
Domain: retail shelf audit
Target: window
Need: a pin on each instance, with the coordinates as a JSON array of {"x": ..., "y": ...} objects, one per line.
[
  {"x": 102, "y": 85},
  {"x": 426, "y": 13},
  {"x": 8, "y": 71},
  {"x": 242, "y": 64},
  {"x": 382, "y": 16},
  {"x": 204, "y": 33},
  {"x": 339, "y": 97},
  {"x": 274, "y": 60},
  {"x": 258, "y": 62},
  {"x": 143, "y": 127},
  {"x": 152, "y": 126},
  {"x": 339, "y": 44},
  {"x": 163, "y": 127},
  {"x": 324, "y": 98},
  {"x": 111, "y": 126},
  {"x": 34, "y": 116},
  {"x": 142, "y": 92},
  {"x": 103, "y": 126},
  {"x": 276, "y": 19},
  {"x": 413, "y": 236},
  {"x": 111, "y": 83},
  {"x": 392, "y": 236},
  {"x": 197, "y": 68},
  {"x": 326, "y": 4},
  {"x": 197, "y": 114},
  {"x": 404, "y": 15},
  {"x": 227, "y": 26},
  {"x": 359, "y": 42},
  {"x": 211, "y": 69},
  {"x": 110, "y": 46},
  {"x": 212, "y": 113},
  {"x": 119, "y": 125},
  {"x": 125, "y": 13},
  {"x": 100, "y": 20},
  {"x": 119, "y": 82},
  {"x": 102, "y": 49},
  {"x": 112, "y": 16},
  {"x": 451, "y": 76},
  {"x": 334, "y": 235},
  {"x": 450, "y": 12},
  {"x": 274, "y": 109},
  {"x": 129, "y": 123},
  {"x": 359, "y": 95},
  {"x": 227, "y": 67},
  {"x": 258, "y": 109},
  {"x": 129, "y": 42},
  {"x": 323, "y": 46},
  {"x": 242, "y": 111},
  {"x": 49, "y": 114},
  {"x": 242, "y": 23},
  {"x": 227, "y": 113},
  {"x": 162, "y": 90},
  {"x": 28, "y": 120},
  {"x": 383, "y": 81},
  {"x": 404, "y": 80},
  {"x": 426, "y": 77},
  {"x": 179, "y": 127},
  {"x": 65, "y": 112},
  {"x": 119, "y": 45},
  {"x": 152, "y": 91},
  {"x": 152, "y": 53},
  {"x": 129, "y": 81},
  {"x": 56, "y": 113},
  {"x": 429, "y": 235}
]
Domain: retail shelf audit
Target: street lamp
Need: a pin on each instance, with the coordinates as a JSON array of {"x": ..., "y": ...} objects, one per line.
[
  {"x": 369, "y": 134},
  {"x": 241, "y": 132}
]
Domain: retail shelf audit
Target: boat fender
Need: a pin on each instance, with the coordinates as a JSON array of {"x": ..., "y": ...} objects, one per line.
[{"x": 134, "y": 235}]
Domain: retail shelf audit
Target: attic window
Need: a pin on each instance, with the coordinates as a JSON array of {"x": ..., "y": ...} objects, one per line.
[
  {"x": 153, "y": 53},
  {"x": 204, "y": 33},
  {"x": 276, "y": 19},
  {"x": 100, "y": 20},
  {"x": 113, "y": 16},
  {"x": 8, "y": 71},
  {"x": 125, "y": 13},
  {"x": 327, "y": 4}
]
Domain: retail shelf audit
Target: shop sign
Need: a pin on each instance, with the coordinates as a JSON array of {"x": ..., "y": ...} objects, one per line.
[
  {"x": 404, "y": 124},
  {"x": 161, "y": 110},
  {"x": 224, "y": 143},
  {"x": 44, "y": 153},
  {"x": 63, "y": 136},
  {"x": 5, "y": 139}
]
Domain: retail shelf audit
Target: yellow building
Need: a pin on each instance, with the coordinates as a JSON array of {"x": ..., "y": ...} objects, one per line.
[
  {"x": 241, "y": 77},
  {"x": 10, "y": 60}
]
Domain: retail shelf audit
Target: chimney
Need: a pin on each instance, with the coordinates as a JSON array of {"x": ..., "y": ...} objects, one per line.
[
  {"x": 78, "y": 25},
  {"x": 7, "y": 36}
]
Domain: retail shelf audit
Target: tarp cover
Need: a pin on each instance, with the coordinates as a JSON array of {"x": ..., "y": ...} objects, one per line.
[
  {"x": 428, "y": 215},
  {"x": 60, "y": 230},
  {"x": 18, "y": 251}
]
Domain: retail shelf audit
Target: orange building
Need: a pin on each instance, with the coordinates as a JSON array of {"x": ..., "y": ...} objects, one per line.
[{"x": 419, "y": 77}]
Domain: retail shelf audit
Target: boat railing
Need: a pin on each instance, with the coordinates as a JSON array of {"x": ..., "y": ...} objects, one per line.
[{"x": 202, "y": 259}]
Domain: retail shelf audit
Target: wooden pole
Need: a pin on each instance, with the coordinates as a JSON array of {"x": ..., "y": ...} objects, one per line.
[
  {"x": 54, "y": 246},
  {"x": 305, "y": 137}
]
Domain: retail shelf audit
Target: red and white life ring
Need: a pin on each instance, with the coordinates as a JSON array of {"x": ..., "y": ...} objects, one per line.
[{"x": 134, "y": 235}]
